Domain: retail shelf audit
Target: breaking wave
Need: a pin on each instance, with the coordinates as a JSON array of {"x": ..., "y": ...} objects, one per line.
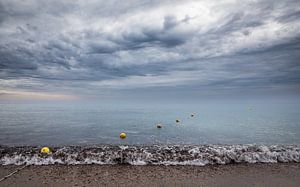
[{"x": 151, "y": 155}]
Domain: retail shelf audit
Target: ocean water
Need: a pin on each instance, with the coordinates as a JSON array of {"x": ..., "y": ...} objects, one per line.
[
  {"x": 97, "y": 123},
  {"x": 88, "y": 132}
]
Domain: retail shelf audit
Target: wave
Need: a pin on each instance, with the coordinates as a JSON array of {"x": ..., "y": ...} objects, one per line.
[{"x": 151, "y": 155}]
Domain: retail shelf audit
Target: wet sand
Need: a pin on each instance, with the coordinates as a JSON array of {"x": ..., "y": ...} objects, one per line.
[{"x": 126, "y": 175}]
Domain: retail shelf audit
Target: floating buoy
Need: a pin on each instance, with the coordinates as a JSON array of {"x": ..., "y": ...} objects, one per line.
[
  {"x": 45, "y": 150},
  {"x": 193, "y": 115},
  {"x": 159, "y": 126},
  {"x": 123, "y": 135},
  {"x": 177, "y": 120}
]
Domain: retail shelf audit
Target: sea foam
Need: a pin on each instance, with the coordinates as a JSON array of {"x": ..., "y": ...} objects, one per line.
[{"x": 199, "y": 155}]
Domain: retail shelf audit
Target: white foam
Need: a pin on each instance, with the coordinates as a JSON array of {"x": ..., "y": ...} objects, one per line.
[{"x": 155, "y": 155}]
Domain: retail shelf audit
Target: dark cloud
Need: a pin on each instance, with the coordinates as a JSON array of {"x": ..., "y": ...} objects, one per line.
[
  {"x": 149, "y": 37},
  {"x": 90, "y": 47},
  {"x": 170, "y": 22}
]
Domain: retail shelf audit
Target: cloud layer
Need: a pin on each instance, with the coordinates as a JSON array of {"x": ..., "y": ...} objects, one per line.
[{"x": 79, "y": 47}]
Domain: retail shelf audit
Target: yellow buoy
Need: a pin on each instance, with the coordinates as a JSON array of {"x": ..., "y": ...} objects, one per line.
[
  {"x": 45, "y": 150},
  {"x": 159, "y": 126},
  {"x": 177, "y": 120},
  {"x": 123, "y": 135}
]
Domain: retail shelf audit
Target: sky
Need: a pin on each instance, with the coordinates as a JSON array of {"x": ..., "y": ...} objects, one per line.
[{"x": 79, "y": 49}]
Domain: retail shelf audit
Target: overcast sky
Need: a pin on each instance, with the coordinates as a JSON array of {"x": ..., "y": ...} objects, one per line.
[{"x": 102, "y": 49}]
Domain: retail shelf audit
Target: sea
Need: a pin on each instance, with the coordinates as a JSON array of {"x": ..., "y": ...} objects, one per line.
[{"x": 191, "y": 133}]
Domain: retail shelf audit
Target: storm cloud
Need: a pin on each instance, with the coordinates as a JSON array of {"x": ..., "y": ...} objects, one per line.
[{"x": 91, "y": 47}]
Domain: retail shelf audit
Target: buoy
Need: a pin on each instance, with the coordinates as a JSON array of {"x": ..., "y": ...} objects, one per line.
[
  {"x": 193, "y": 115},
  {"x": 45, "y": 150},
  {"x": 123, "y": 135},
  {"x": 159, "y": 126},
  {"x": 177, "y": 121}
]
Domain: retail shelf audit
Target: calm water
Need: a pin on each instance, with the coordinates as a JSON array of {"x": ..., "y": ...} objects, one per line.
[{"x": 95, "y": 123}]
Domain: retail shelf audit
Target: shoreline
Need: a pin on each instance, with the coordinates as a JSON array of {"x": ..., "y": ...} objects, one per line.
[
  {"x": 277, "y": 174},
  {"x": 152, "y": 155}
]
